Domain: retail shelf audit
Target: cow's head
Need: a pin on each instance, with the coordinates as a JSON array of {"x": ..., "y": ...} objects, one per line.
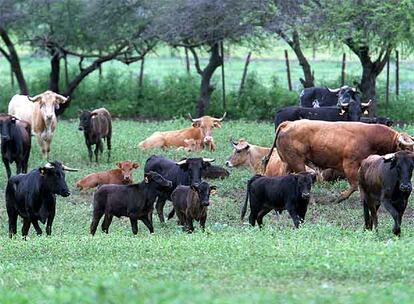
[
  {"x": 350, "y": 103},
  {"x": 240, "y": 156},
  {"x": 7, "y": 122},
  {"x": 304, "y": 185},
  {"x": 191, "y": 145},
  {"x": 404, "y": 142},
  {"x": 203, "y": 191},
  {"x": 126, "y": 168},
  {"x": 85, "y": 118},
  {"x": 194, "y": 168},
  {"x": 157, "y": 181},
  {"x": 206, "y": 124},
  {"x": 403, "y": 163},
  {"x": 53, "y": 178},
  {"x": 49, "y": 102}
]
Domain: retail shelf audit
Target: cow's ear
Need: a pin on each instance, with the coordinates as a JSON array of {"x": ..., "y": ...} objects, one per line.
[
  {"x": 119, "y": 165},
  {"x": 13, "y": 120},
  {"x": 147, "y": 178},
  {"x": 93, "y": 115},
  {"x": 196, "y": 124},
  {"x": 216, "y": 124},
  {"x": 135, "y": 165},
  {"x": 246, "y": 148},
  {"x": 213, "y": 190},
  {"x": 42, "y": 171}
]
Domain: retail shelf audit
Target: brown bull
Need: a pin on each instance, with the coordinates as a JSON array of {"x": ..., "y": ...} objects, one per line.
[
  {"x": 200, "y": 130},
  {"x": 337, "y": 145}
]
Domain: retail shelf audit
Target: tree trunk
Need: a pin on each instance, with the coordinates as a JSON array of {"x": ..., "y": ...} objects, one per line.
[
  {"x": 367, "y": 86},
  {"x": 54, "y": 72},
  {"x": 13, "y": 58},
  {"x": 206, "y": 89}
]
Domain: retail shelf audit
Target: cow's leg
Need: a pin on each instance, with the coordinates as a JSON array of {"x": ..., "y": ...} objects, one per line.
[
  {"x": 159, "y": 206},
  {"x": 25, "y": 227},
  {"x": 261, "y": 214},
  {"x": 36, "y": 226},
  {"x": 395, "y": 215},
  {"x": 50, "y": 219},
  {"x": 351, "y": 173},
  {"x": 90, "y": 153},
  {"x": 106, "y": 222},
  {"x": 367, "y": 216},
  {"x": 181, "y": 218},
  {"x": 189, "y": 224},
  {"x": 290, "y": 207},
  {"x": 148, "y": 223},
  {"x": 108, "y": 144},
  {"x": 96, "y": 217},
  {"x": 97, "y": 148},
  {"x": 12, "y": 214},
  {"x": 7, "y": 166},
  {"x": 203, "y": 222},
  {"x": 134, "y": 225}
]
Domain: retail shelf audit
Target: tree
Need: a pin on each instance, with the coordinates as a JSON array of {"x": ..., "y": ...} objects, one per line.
[
  {"x": 287, "y": 19},
  {"x": 370, "y": 28},
  {"x": 202, "y": 25},
  {"x": 94, "y": 31},
  {"x": 11, "y": 18}
]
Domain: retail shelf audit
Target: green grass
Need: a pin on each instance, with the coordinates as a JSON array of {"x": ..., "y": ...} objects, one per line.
[{"x": 330, "y": 259}]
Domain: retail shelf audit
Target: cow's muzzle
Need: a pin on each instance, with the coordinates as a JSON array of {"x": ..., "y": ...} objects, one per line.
[
  {"x": 205, "y": 204},
  {"x": 406, "y": 187},
  {"x": 65, "y": 193},
  {"x": 127, "y": 179},
  {"x": 305, "y": 195},
  {"x": 80, "y": 128}
]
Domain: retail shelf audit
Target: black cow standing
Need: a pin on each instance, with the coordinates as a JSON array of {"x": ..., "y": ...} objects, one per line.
[
  {"x": 386, "y": 180},
  {"x": 33, "y": 197},
  {"x": 185, "y": 172},
  {"x": 316, "y": 97},
  {"x": 135, "y": 201},
  {"x": 15, "y": 143},
  {"x": 96, "y": 125},
  {"x": 290, "y": 192}
]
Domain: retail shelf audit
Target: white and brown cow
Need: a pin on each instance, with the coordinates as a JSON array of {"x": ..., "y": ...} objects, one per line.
[{"x": 39, "y": 111}]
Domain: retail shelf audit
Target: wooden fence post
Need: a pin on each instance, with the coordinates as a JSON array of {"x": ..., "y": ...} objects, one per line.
[
  {"x": 187, "y": 61},
  {"x": 288, "y": 71},
  {"x": 397, "y": 73},
  {"x": 222, "y": 76},
  {"x": 387, "y": 88},
  {"x": 246, "y": 64},
  {"x": 343, "y": 69}
]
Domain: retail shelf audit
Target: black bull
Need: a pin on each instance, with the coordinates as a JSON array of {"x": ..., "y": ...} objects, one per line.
[
  {"x": 324, "y": 97},
  {"x": 185, "y": 172}
]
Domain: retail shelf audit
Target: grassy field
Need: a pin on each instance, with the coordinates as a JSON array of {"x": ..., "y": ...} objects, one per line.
[{"x": 330, "y": 259}]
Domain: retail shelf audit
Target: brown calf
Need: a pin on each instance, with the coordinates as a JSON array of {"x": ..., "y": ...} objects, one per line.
[{"x": 120, "y": 175}]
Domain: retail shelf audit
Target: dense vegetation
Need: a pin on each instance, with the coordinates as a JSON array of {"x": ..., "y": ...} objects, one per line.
[{"x": 330, "y": 259}]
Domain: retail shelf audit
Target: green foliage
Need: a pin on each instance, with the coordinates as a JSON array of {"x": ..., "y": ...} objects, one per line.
[{"x": 330, "y": 259}]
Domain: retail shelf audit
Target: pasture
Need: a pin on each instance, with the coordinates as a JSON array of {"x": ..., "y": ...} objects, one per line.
[{"x": 330, "y": 259}]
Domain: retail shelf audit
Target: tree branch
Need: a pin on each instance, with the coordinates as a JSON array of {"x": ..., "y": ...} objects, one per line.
[
  {"x": 3, "y": 51},
  {"x": 196, "y": 61}
]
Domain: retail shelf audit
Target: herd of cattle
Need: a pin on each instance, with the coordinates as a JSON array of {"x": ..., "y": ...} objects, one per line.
[{"x": 327, "y": 137}]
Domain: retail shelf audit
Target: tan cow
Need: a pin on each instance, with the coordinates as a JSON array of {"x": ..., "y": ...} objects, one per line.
[
  {"x": 248, "y": 155},
  {"x": 39, "y": 111},
  {"x": 201, "y": 130}
]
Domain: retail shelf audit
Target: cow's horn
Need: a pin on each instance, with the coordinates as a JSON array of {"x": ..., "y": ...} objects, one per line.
[
  {"x": 388, "y": 156},
  {"x": 233, "y": 143},
  {"x": 343, "y": 104},
  {"x": 62, "y": 98},
  {"x": 333, "y": 90},
  {"x": 34, "y": 98},
  {"x": 366, "y": 104},
  {"x": 69, "y": 169},
  {"x": 404, "y": 142},
  {"x": 222, "y": 117},
  {"x": 49, "y": 166},
  {"x": 208, "y": 160},
  {"x": 181, "y": 162},
  {"x": 193, "y": 119}
]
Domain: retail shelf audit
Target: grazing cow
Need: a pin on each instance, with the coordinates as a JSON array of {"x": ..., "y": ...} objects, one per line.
[
  {"x": 96, "y": 125},
  {"x": 190, "y": 203},
  {"x": 386, "y": 180},
  {"x": 187, "y": 171},
  {"x": 290, "y": 192},
  {"x": 338, "y": 145},
  {"x": 119, "y": 176},
  {"x": 39, "y": 111},
  {"x": 134, "y": 201},
  {"x": 33, "y": 197},
  {"x": 350, "y": 111},
  {"x": 215, "y": 172},
  {"x": 15, "y": 143},
  {"x": 316, "y": 97},
  {"x": 377, "y": 120},
  {"x": 201, "y": 131}
]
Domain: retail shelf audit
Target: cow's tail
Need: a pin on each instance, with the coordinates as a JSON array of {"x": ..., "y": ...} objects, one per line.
[
  {"x": 267, "y": 158},
  {"x": 244, "y": 208}
]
